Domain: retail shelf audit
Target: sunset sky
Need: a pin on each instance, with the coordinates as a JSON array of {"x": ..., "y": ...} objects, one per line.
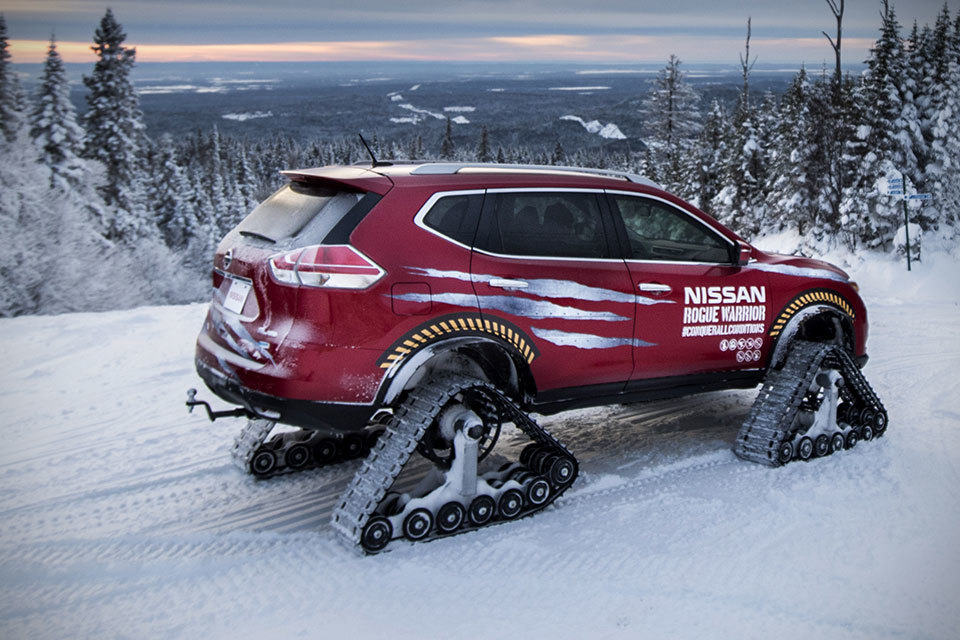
[{"x": 611, "y": 31}]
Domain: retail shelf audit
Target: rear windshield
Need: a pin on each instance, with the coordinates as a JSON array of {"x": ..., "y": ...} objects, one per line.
[{"x": 298, "y": 214}]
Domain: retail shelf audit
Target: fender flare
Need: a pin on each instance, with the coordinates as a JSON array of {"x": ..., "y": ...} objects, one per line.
[
  {"x": 800, "y": 309},
  {"x": 479, "y": 338}
]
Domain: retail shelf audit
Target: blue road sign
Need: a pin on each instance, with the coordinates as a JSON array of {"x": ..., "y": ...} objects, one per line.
[
  {"x": 894, "y": 180},
  {"x": 919, "y": 196}
]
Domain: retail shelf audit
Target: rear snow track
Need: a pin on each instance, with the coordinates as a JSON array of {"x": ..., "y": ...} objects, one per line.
[{"x": 122, "y": 516}]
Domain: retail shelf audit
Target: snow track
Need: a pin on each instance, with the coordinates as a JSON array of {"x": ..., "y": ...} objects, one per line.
[{"x": 122, "y": 516}]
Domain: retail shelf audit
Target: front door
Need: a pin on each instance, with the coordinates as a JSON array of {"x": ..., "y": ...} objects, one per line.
[
  {"x": 697, "y": 312},
  {"x": 544, "y": 261}
]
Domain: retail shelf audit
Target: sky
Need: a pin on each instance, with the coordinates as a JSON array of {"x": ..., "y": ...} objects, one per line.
[{"x": 578, "y": 31}]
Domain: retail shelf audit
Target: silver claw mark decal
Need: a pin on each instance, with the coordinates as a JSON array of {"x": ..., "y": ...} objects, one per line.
[{"x": 587, "y": 340}]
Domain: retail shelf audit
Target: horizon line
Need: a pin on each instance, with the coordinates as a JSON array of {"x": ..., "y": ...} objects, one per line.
[{"x": 557, "y": 48}]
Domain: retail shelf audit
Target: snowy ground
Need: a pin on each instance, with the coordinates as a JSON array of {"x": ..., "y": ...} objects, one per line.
[{"x": 121, "y": 516}]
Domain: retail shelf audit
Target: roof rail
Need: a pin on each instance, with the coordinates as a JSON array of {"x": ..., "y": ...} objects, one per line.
[{"x": 449, "y": 168}]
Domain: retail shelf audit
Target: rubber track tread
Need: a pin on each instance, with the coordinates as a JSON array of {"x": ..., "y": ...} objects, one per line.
[
  {"x": 772, "y": 416},
  {"x": 410, "y": 421}
]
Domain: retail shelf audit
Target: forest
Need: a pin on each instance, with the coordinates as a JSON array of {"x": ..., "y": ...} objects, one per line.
[{"x": 97, "y": 215}]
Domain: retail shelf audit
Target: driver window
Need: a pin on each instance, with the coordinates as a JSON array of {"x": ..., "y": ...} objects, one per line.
[{"x": 658, "y": 231}]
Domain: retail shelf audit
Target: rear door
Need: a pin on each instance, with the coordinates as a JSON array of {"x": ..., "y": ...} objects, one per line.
[
  {"x": 697, "y": 312},
  {"x": 545, "y": 260}
]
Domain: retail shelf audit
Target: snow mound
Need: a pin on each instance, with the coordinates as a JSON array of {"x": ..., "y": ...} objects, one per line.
[
  {"x": 459, "y": 120},
  {"x": 250, "y": 115},
  {"x": 396, "y": 97}
]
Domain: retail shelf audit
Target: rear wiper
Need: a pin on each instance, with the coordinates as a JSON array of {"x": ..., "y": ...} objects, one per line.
[{"x": 254, "y": 234}]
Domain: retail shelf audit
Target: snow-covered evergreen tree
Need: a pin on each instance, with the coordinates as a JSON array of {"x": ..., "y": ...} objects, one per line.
[
  {"x": 11, "y": 97},
  {"x": 792, "y": 194},
  {"x": 883, "y": 144},
  {"x": 711, "y": 156},
  {"x": 447, "y": 147},
  {"x": 672, "y": 122},
  {"x": 483, "y": 147},
  {"x": 169, "y": 194},
  {"x": 114, "y": 131},
  {"x": 53, "y": 123}
]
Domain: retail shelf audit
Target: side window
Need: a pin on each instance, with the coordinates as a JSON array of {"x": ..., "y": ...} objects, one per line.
[
  {"x": 455, "y": 217},
  {"x": 657, "y": 231},
  {"x": 551, "y": 224}
]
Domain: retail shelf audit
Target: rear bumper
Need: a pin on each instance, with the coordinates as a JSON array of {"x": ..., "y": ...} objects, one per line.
[{"x": 333, "y": 416}]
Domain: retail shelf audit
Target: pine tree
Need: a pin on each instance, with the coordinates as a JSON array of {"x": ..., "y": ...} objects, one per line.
[
  {"x": 447, "y": 146},
  {"x": 53, "y": 123},
  {"x": 791, "y": 192},
  {"x": 169, "y": 195},
  {"x": 483, "y": 147},
  {"x": 711, "y": 156},
  {"x": 10, "y": 96},
  {"x": 114, "y": 129},
  {"x": 559, "y": 156},
  {"x": 672, "y": 122},
  {"x": 883, "y": 145},
  {"x": 501, "y": 159}
]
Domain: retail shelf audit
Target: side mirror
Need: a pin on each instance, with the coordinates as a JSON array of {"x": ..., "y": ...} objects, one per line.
[{"x": 744, "y": 253}]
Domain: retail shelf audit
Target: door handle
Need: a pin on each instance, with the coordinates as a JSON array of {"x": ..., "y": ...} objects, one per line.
[
  {"x": 504, "y": 283},
  {"x": 655, "y": 287}
]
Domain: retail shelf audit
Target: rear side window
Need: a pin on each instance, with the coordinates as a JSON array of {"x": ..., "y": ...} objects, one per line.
[
  {"x": 456, "y": 217},
  {"x": 548, "y": 224},
  {"x": 301, "y": 214},
  {"x": 657, "y": 231}
]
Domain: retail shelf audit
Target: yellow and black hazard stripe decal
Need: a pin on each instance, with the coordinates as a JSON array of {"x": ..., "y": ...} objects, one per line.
[
  {"x": 805, "y": 299},
  {"x": 459, "y": 325}
]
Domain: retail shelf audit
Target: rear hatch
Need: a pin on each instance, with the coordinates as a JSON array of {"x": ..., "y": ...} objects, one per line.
[{"x": 251, "y": 314}]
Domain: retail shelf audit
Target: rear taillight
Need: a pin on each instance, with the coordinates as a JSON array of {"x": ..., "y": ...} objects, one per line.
[{"x": 329, "y": 266}]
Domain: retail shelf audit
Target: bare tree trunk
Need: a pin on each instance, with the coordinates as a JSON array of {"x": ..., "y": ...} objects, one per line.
[
  {"x": 836, "y": 7},
  {"x": 747, "y": 65}
]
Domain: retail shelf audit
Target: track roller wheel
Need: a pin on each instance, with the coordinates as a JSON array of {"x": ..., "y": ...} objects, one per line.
[
  {"x": 450, "y": 517},
  {"x": 538, "y": 491},
  {"x": 852, "y": 439},
  {"x": 822, "y": 445},
  {"x": 417, "y": 524},
  {"x": 325, "y": 451},
  {"x": 528, "y": 451},
  {"x": 880, "y": 423},
  {"x": 785, "y": 453},
  {"x": 867, "y": 416},
  {"x": 263, "y": 463},
  {"x": 481, "y": 510},
  {"x": 560, "y": 471},
  {"x": 511, "y": 504},
  {"x": 377, "y": 534},
  {"x": 837, "y": 442},
  {"x": 538, "y": 460},
  {"x": 351, "y": 445},
  {"x": 805, "y": 448},
  {"x": 297, "y": 456},
  {"x": 867, "y": 432}
]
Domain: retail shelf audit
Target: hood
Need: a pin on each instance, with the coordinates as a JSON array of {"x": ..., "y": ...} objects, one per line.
[{"x": 798, "y": 265}]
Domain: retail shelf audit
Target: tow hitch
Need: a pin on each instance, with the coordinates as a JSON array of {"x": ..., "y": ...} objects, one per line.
[{"x": 213, "y": 415}]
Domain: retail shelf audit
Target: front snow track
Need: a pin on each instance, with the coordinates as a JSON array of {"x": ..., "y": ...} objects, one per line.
[
  {"x": 816, "y": 403},
  {"x": 367, "y": 518}
]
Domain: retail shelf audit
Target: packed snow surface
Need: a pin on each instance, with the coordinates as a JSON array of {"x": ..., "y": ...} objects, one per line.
[{"x": 122, "y": 516}]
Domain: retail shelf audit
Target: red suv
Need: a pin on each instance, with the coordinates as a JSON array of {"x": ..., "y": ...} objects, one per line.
[{"x": 389, "y": 308}]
